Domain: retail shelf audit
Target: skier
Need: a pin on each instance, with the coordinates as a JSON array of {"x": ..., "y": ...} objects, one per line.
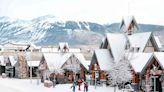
[
  {"x": 73, "y": 86},
  {"x": 85, "y": 86}
]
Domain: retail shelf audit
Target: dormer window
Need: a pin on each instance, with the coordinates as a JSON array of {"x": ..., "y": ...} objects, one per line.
[
  {"x": 63, "y": 47},
  {"x": 130, "y": 28},
  {"x": 128, "y": 25}
]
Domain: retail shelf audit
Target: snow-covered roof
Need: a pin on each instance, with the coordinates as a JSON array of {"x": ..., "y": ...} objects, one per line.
[
  {"x": 117, "y": 43},
  {"x": 158, "y": 42},
  {"x": 49, "y": 49},
  {"x": 127, "y": 20},
  {"x": 54, "y": 49},
  {"x": 57, "y": 60},
  {"x": 64, "y": 58},
  {"x": 82, "y": 60},
  {"x": 12, "y": 45},
  {"x": 34, "y": 46},
  {"x": 139, "y": 60},
  {"x": 52, "y": 60},
  {"x": 62, "y": 44},
  {"x": 104, "y": 59},
  {"x": 2, "y": 61},
  {"x": 139, "y": 40},
  {"x": 73, "y": 50},
  {"x": 33, "y": 63},
  {"x": 160, "y": 58},
  {"x": 12, "y": 60}
]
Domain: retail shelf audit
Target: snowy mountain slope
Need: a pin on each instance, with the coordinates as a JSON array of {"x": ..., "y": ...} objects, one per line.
[{"x": 49, "y": 30}]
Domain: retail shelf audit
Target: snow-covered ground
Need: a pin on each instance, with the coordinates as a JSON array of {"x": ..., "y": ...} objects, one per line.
[{"x": 24, "y": 85}]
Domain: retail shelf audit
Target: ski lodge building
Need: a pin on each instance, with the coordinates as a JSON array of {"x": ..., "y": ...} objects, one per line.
[
  {"x": 67, "y": 64},
  {"x": 143, "y": 49}
]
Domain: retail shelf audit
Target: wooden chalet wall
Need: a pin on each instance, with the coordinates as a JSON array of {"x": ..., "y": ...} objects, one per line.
[
  {"x": 150, "y": 46},
  {"x": 102, "y": 74},
  {"x": 135, "y": 77}
]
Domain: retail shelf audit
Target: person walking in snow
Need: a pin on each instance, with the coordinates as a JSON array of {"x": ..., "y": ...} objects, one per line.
[
  {"x": 73, "y": 86},
  {"x": 85, "y": 86},
  {"x": 79, "y": 81}
]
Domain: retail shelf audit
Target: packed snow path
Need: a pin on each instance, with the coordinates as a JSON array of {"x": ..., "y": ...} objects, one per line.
[{"x": 24, "y": 85}]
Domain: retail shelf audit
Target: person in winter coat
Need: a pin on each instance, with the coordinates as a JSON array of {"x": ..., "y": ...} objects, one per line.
[
  {"x": 85, "y": 86},
  {"x": 73, "y": 86},
  {"x": 79, "y": 81}
]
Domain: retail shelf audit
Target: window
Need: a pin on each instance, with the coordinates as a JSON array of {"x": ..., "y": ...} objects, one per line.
[{"x": 134, "y": 49}]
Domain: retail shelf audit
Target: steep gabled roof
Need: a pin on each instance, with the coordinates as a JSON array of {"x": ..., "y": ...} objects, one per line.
[
  {"x": 139, "y": 60},
  {"x": 104, "y": 59},
  {"x": 12, "y": 60},
  {"x": 2, "y": 61},
  {"x": 57, "y": 60},
  {"x": 62, "y": 45},
  {"x": 53, "y": 61},
  {"x": 158, "y": 43},
  {"x": 139, "y": 40},
  {"x": 159, "y": 56},
  {"x": 82, "y": 60},
  {"x": 127, "y": 20},
  {"x": 117, "y": 43}
]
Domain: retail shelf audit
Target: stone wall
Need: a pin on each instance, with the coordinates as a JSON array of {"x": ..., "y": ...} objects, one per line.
[{"x": 22, "y": 65}]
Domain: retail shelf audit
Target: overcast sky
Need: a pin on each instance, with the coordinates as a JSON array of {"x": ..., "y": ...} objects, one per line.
[{"x": 101, "y": 11}]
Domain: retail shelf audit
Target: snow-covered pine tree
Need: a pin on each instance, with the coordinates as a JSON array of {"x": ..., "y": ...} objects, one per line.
[{"x": 120, "y": 73}]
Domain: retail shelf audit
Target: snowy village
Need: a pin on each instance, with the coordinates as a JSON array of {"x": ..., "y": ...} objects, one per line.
[
  {"x": 62, "y": 46},
  {"x": 127, "y": 61}
]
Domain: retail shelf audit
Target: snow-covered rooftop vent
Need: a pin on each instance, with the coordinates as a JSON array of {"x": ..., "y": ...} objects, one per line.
[{"x": 128, "y": 25}]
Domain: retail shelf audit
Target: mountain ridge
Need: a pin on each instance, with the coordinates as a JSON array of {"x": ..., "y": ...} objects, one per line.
[{"x": 49, "y": 30}]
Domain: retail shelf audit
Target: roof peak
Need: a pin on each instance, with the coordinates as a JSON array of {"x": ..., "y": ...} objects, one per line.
[{"x": 128, "y": 24}]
